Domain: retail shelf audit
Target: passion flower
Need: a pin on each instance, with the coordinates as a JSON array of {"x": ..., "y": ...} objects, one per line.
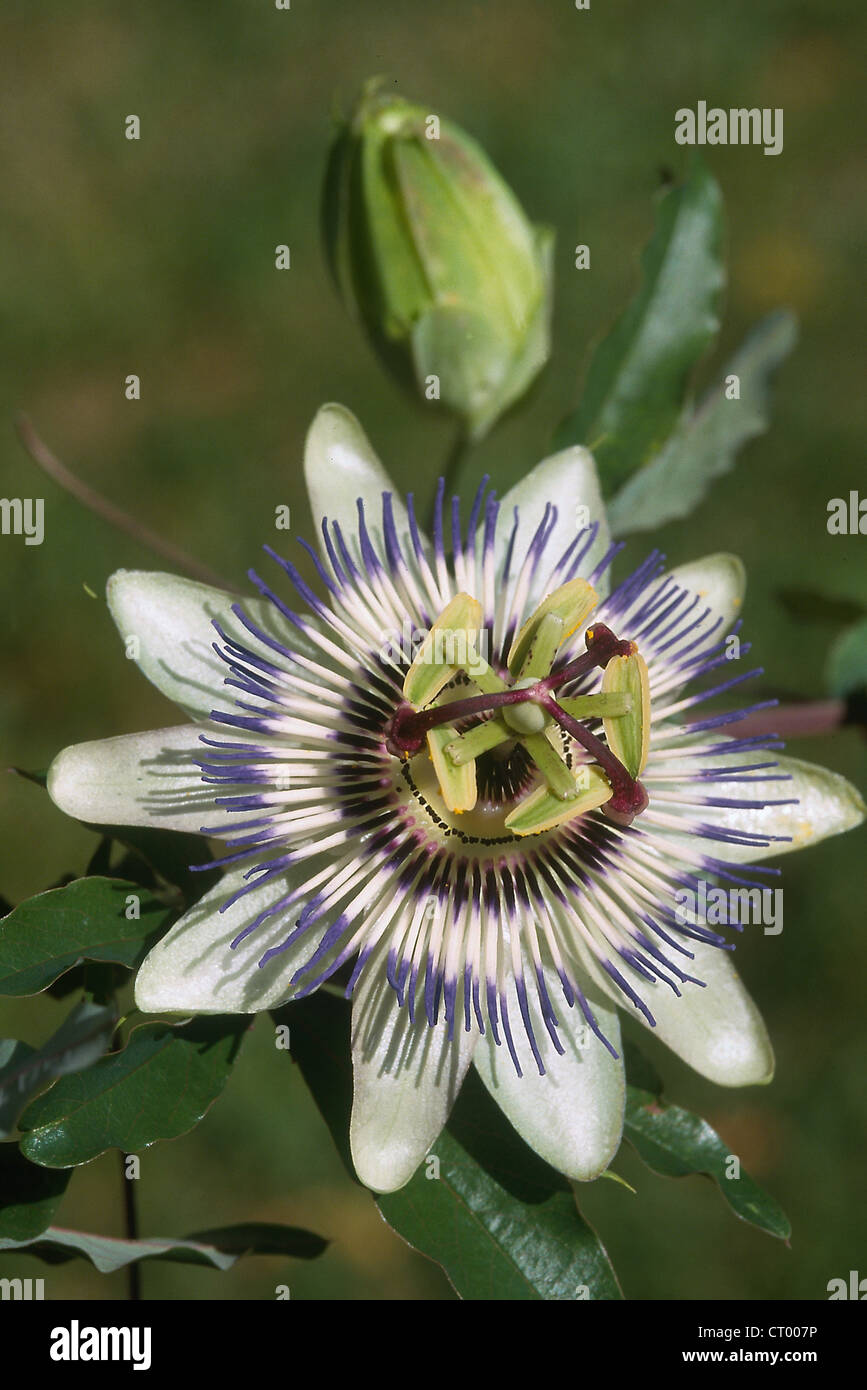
[{"x": 486, "y": 841}]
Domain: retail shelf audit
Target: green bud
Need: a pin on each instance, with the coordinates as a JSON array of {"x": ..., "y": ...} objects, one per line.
[{"x": 435, "y": 256}]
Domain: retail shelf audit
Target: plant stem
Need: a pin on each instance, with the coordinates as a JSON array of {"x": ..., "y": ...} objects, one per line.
[
  {"x": 630, "y": 798},
  {"x": 102, "y": 507},
  {"x": 130, "y": 1213},
  {"x": 600, "y": 649},
  {"x": 801, "y": 720},
  {"x": 454, "y": 462}
]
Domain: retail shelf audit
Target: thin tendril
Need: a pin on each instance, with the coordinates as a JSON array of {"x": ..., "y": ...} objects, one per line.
[{"x": 102, "y": 507}]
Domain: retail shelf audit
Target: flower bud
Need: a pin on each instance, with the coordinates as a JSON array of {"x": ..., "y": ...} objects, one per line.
[{"x": 435, "y": 256}]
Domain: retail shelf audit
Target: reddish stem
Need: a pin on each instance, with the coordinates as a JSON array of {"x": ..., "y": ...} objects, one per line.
[
  {"x": 629, "y": 798},
  {"x": 602, "y": 645},
  {"x": 408, "y": 727},
  {"x": 805, "y": 720}
]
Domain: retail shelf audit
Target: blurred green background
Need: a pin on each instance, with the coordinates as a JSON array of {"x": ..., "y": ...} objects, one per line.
[{"x": 157, "y": 258}]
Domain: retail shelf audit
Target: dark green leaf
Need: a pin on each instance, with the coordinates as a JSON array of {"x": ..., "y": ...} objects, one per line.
[
  {"x": 676, "y": 1143},
  {"x": 263, "y": 1238},
  {"x": 99, "y": 864},
  {"x": 706, "y": 441},
  {"x": 49, "y": 934},
  {"x": 638, "y": 377},
  {"x": 29, "y": 1195},
  {"x": 15, "y": 1057},
  {"x": 107, "y": 1254},
  {"x": 100, "y": 982},
  {"x": 169, "y": 852},
  {"x": 846, "y": 668},
  {"x": 640, "y": 1071},
  {"x": 319, "y": 1043},
  {"x": 157, "y": 1087},
  {"x": 500, "y": 1222},
  {"x": 82, "y": 1037}
]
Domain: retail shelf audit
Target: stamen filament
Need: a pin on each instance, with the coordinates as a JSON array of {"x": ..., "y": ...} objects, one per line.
[
  {"x": 478, "y": 740},
  {"x": 611, "y": 704}
]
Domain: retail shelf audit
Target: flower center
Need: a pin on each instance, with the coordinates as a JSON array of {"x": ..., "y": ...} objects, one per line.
[{"x": 519, "y": 719}]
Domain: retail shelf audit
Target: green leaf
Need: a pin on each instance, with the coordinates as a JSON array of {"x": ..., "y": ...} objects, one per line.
[
  {"x": 263, "y": 1238},
  {"x": 706, "y": 442},
  {"x": 100, "y": 982},
  {"x": 846, "y": 667},
  {"x": 157, "y": 1087},
  {"x": 219, "y": 1249},
  {"x": 640, "y": 1071},
  {"x": 29, "y": 1195},
  {"x": 676, "y": 1143},
  {"x": 320, "y": 1044},
  {"x": 169, "y": 852},
  {"x": 99, "y": 864},
  {"x": 500, "y": 1221},
  {"x": 638, "y": 377},
  {"x": 82, "y": 1037},
  {"x": 85, "y": 920},
  {"x": 15, "y": 1058}
]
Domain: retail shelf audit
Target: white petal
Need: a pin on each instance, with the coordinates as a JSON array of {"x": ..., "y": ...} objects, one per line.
[
  {"x": 406, "y": 1078},
  {"x": 719, "y": 583},
  {"x": 718, "y": 1030},
  {"x": 826, "y": 805},
  {"x": 194, "y": 970},
  {"x": 573, "y": 1115},
  {"x": 567, "y": 479},
  {"x": 172, "y": 620},
  {"x": 137, "y": 779},
  {"x": 341, "y": 466},
  {"x": 720, "y": 580}
]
